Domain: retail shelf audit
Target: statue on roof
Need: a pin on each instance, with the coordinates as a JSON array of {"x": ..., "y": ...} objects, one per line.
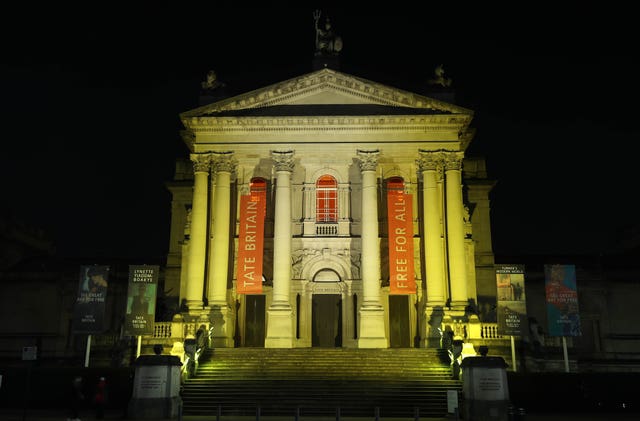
[
  {"x": 440, "y": 79},
  {"x": 327, "y": 42},
  {"x": 211, "y": 82}
]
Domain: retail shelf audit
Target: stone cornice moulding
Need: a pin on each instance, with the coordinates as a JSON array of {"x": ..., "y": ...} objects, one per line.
[
  {"x": 323, "y": 80},
  {"x": 458, "y": 124}
]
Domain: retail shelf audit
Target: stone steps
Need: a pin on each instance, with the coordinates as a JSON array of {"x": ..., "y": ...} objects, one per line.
[{"x": 317, "y": 381}]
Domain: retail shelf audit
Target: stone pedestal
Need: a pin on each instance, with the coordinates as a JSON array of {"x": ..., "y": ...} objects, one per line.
[
  {"x": 485, "y": 389},
  {"x": 279, "y": 327},
  {"x": 222, "y": 322},
  {"x": 156, "y": 388},
  {"x": 372, "y": 328}
]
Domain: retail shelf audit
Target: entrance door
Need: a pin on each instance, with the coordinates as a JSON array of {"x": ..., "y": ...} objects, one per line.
[
  {"x": 326, "y": 317},
  {"x": 399, "y": 330},
  {"x": 254, "y": 321}
]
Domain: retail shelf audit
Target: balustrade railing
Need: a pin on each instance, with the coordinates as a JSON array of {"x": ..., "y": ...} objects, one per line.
[
  {"x": 180, "y": 330},
  {"x": 162, "y": 329},
  {"x": 490, "y": 331},
  {"x": 326, "y": 230}
]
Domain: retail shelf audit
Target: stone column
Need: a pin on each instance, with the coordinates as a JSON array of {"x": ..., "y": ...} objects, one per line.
[
  {"x": 478, "y": 195},
  {"x": 430, "y": 164},
  {"x": 280, "y": 315},
  {"x": 198, "y": 233},
  {"x": 221, "y": 314},
  {"x": 210, "y": 241},
  {"x": 431, "y": 217},
  {"x": 371, "y": 331},
  {"x": 184, "y": 261},
  {"x": 455, "y": 230}
]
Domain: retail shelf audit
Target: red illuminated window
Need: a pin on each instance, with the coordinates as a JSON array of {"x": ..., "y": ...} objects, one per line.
[
  {"x": 258, "y": 185},
  {"x": 395, "y": 183},
  {"x": 326, "y": 199}
]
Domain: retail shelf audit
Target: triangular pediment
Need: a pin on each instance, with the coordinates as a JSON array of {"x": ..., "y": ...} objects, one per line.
[{"x": 321, "y": 90}]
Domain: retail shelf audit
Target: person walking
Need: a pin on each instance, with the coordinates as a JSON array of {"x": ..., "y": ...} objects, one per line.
[
  {"x": 75, "y": 399},
  {"x": 100, "y": 397}
]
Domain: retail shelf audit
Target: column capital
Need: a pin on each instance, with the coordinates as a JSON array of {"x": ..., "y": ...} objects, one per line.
[
  {"x": 223, "y": 162},
  {"x": 429, "y": 160},
  {"x": 201, "y": 162},
  {"x": 368, "y": 160},
  {"x": 283, "y": 160},
  {"x": 453, "y": 160}
]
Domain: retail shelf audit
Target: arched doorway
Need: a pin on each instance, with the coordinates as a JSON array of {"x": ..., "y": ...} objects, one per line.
[{"x": 326, "y": 311}]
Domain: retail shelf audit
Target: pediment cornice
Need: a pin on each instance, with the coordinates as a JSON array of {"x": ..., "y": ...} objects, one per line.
[{"x": 325, "y": 80}]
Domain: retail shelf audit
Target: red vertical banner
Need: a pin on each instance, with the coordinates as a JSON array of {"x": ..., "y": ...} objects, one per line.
[
  {"x": 400, "y": 221},
  {"x": 250, "y": 243}
]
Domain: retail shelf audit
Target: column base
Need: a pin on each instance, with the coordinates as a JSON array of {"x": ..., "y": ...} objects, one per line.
[
  {"x": 458, "y": 308},
  {"x": 372, "y": 332},
  {"x": 222, "y": 322},
  {"x": 279, "y": 326},
  {"x": 454, "y": 314},
  {"x": 195, "y": 307}
]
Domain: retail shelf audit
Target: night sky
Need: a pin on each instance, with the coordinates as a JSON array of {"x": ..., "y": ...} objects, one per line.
[{"x": 91, "y": 97}]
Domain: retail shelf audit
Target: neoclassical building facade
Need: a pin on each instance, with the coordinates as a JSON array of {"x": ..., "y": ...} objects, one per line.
[{"x": 330, "y": 211}]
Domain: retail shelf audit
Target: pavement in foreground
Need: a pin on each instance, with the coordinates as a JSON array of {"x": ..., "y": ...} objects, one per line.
[{"x": 61, "y": 415}]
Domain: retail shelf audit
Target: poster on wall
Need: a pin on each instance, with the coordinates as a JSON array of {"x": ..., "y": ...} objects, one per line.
[
  {"x": 511, "y": 300},
  {"x": 89, "y": 309},
  {"x": 561, "y": 295},
  {"x": 400, "y": 221},
  {"x": 141, "y": 300}
]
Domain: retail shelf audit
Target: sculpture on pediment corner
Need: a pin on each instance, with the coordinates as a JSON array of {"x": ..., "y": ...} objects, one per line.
[
  {"x": 327, "y": 42},
  {"x": 440, "y": 78},
  {"x": 211, "y": 82}
]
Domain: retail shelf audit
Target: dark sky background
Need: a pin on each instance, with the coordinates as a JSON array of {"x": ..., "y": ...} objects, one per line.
[{"x": 91, "y": 96}]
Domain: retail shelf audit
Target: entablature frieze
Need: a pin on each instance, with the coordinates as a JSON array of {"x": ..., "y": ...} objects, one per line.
[{"x": 455, "y": 123}]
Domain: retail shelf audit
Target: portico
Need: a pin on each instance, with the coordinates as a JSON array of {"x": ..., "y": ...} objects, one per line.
[{"x": 324, "y": 146}]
